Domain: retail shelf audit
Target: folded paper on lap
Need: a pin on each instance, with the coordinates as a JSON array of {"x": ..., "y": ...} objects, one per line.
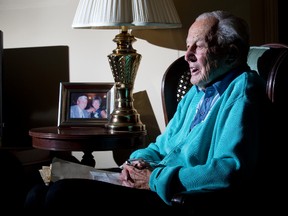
[{"x": 62, "y": 169}]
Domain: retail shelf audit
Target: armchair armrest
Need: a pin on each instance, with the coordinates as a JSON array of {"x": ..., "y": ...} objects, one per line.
[{"x": 203, "y": 199}]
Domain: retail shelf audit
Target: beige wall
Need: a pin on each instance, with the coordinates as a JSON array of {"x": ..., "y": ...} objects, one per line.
[{"x": 48, "y": 22}]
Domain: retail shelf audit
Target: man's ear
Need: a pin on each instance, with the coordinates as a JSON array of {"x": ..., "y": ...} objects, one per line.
[{"x": 233, "y": 54}]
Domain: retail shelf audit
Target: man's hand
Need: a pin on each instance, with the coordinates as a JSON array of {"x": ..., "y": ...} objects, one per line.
[{"x": 136, "y": 175}]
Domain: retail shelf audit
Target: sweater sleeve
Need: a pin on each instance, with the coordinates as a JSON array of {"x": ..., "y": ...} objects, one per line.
[{"x": 157, "y": 150}]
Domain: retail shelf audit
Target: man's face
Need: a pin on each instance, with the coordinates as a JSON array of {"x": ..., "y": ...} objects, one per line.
[
  {"x": 82, "y": 102},
  {"x": 203, "y": 68}
]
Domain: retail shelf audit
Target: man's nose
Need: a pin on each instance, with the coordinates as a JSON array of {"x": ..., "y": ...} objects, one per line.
[{"x": 190, "y": 57}]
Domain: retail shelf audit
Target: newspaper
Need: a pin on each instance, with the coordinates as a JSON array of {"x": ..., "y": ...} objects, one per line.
[{"x": 65, "y": 169}]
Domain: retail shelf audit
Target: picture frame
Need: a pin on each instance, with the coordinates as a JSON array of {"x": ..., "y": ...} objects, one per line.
[{"x": 74, "y": 95}]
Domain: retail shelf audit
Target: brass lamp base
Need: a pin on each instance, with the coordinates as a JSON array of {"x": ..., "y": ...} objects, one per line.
[{"x": 124, "y": 63}]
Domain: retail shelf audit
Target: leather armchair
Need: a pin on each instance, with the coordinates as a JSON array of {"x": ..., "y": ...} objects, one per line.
[{"x": 271, "y": 62}]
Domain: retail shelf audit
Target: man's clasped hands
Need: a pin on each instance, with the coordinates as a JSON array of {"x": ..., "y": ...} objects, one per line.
[{"x": 136, "y": 173}]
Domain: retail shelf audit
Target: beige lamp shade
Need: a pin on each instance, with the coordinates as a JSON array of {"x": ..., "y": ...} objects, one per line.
[{"x": 134, "y": 14}]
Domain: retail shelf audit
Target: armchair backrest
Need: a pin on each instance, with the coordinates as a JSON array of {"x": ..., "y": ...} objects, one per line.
[
  {"x": 175, "y": 84},
  {"x": 269, "y": 60}
]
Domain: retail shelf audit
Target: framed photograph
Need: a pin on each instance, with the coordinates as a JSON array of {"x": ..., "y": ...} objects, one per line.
[{"x": 85, "y": 104}]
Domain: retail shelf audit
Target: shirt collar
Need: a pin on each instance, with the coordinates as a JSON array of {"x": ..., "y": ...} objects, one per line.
[{"x": 225, "y": 80}]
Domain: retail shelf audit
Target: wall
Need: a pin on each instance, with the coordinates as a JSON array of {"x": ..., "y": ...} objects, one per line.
[{"x": 48, "y": 22}]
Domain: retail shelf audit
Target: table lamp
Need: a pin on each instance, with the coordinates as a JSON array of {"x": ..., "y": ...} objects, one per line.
[{"x": 124, "y": 61}]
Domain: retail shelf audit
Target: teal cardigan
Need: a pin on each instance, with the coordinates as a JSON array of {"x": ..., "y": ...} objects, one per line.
[{"x": 222, "y": 146}]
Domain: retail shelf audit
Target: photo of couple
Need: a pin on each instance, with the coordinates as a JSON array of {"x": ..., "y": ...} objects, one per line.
[{"x": 83, "y": 106}]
